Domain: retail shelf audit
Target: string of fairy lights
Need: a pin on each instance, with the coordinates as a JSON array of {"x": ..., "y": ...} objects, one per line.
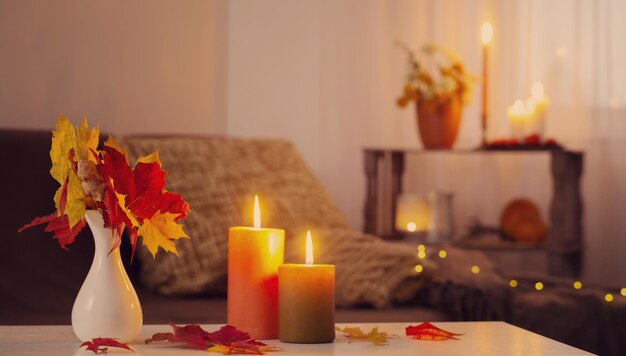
[{"x": 513, "y": 283}]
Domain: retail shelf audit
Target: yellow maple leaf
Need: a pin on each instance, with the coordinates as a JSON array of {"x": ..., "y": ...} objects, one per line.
[
  {"x": 222, "y": 349},
  {"x": 63, "y": 141},
  {"x": 379, "y": 338},
  {"x": 352, "y": 333},
  {"x": 121, "y": 200},
  {"x": 247, "y": 349},
  {"x": 74, "y": 199},
  {"x": 160, "y": 231},
  {"x": 111, "y": 142},
  {"x": 75, "y": 206},
  {"x": 86, "y": 142},
  {"x": 152, "y": 157}
]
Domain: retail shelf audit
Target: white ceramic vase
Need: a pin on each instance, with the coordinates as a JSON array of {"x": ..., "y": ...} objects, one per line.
[{"x": 106, "y": 305}]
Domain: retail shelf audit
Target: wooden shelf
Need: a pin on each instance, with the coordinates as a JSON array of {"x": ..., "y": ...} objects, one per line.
[
  {"x": 384, "y": 168},
  {"x": 479, "y": 150}
]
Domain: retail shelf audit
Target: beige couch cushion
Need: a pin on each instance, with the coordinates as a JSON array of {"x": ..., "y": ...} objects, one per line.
[{"x": 219, "y": 178}]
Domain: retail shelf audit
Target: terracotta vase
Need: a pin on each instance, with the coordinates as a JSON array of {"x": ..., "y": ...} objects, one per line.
[
  {"x": 106, "y": 305},
  {"x": 438, "y": 124}
]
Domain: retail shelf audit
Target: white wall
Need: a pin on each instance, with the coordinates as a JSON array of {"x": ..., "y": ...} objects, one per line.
[
  {"x": 133, "y": 66},
  {"x": 300, "y": 70}
]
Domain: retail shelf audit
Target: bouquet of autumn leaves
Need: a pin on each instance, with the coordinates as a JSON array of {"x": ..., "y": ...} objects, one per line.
[{"x": 102, "y": 179}]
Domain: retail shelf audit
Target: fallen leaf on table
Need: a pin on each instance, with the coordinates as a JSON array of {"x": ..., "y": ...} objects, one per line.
[
  {"x": 96, "y": 344},
  {"x": 242, "y": 347},
  {"x": 228, "y": 340},
  {"x": 428, "y": 331},
  {"x": 374, "y": 336}
]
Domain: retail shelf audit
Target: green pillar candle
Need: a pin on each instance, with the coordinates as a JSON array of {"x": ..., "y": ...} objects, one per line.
[{"x": 306, "y": 299}]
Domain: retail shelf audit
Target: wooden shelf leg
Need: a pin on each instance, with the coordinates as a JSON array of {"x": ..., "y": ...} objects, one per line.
[
  {"x": 566, "y": 215},
  {"x": 371, "y": 220},
  {"x": 397, "y": 170}
]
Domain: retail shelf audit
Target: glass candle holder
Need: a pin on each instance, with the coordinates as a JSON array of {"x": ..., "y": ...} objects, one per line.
[{"x": 413, "y": 214}]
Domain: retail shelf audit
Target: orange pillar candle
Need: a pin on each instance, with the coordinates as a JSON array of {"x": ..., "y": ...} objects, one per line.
[
  {"x": 306, "y": 294},
  {"x": 254, "y": 254}
]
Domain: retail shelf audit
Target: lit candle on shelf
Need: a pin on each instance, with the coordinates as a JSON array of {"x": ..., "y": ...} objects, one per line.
[
  {"x": 306, "y": 294},
  {"x": 485, "y": 36},
  {"x": 530, "y": 124},
  {"x": 413, "y": 213},
  {"x": 254, "y": 254},
  {"x": 517, "y": 119},
  {"x": 541, "y": 104}
]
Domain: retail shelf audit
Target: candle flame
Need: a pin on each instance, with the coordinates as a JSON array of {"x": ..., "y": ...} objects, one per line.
[
  {"x": 486, "y": 33},
  {"x": 309, "y": 248},
  {"x": 537, "y": 90},
  {"x": 257, "y": 213}
]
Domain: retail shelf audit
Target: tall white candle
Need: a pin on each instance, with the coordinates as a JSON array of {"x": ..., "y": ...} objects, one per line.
[
  {"x": 541, "y": 105},
  {"x": 517, "y": 119},
  {"x": 486, "y": 34}
]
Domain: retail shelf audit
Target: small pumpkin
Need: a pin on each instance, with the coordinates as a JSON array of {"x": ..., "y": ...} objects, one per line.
[{"x": 521, "y": 221}]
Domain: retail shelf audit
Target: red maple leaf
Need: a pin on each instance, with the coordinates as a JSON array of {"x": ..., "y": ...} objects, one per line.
[
  {"x": 111, "y": 211},
  {"x": 96, "y": 344},
  {"x": 228, "y": 334},
  {"x": 143, "y": 186},
  {"x": 151, "y": 196},
  {"x": 144, "y": 191},
  {"x": 428, "y": 331},
  {"x": 227, "y": 340},
  {"x": 191, "y": 335},
  {"x": 114, "y": 166},
  {"x": 149, "y": 178},
  {"x": 59, "y": 225}
]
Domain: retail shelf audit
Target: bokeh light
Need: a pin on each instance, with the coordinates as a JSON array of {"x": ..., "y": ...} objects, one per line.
[
  {"x": 578, "y": 285},
  {"x": 411, "y": 227}
]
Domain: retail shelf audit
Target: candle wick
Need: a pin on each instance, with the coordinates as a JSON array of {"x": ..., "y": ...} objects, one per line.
[
  {"x": 257, "y": 213},
  {"x": 309, "y": 248}
]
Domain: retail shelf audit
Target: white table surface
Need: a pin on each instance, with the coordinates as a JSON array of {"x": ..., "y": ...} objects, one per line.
[{"x": 480, "y": 338}]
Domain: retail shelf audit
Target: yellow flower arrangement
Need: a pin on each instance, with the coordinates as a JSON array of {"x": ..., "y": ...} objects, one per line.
[{"x": 434, "y": 76}]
